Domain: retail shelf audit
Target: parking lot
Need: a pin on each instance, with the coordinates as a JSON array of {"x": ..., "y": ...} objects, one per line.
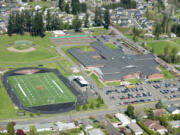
[{"x": 142, "y": 92}]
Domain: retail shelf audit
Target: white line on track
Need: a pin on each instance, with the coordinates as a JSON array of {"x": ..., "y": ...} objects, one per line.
[{"x": 58, "y": 86}]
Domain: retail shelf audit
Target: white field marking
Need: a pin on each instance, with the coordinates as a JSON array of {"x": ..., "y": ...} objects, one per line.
[
  {"x": 47, "y": 78},
  {"x": 22, "y": 90},
  {"x": 58, "y": 86}
]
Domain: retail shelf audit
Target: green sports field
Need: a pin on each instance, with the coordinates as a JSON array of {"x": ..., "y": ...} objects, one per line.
[{"x": 40, "y": 89}]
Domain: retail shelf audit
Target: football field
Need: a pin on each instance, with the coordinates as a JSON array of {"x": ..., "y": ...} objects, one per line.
[{"x": 40, "y": 89}]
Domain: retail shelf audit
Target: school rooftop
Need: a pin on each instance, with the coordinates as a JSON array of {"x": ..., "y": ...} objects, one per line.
[{"x": 113, "y": 64}]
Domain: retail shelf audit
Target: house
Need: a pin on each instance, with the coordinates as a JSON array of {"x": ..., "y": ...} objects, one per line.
[
  {"x": 155, "y": 126},
  {"x": 37, "y": 7},
  {"x": 158, "y": 112},
  {"x": 95, "y": 132},
  {"x": 148, "y": 35},
  {"x": 65, "y": 126},
  {"x": 58, "y": 33},
  {"x": 135, "y": 128},
  {"x": 173, "y": 109},
  {"x": 81, "y": 16},
  {"x": 123, "y": 119}
]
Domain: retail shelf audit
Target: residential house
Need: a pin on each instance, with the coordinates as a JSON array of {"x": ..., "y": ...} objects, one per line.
[
  {"x": 173, "y": 109},
  {"x": 123, "y": 119},
  {"x": 155, "y": 126},
  {"x": 135, "y": 128},
  {"x": 158, "y": 112},
  {"x": 95, "y": 132},
  {"x": 65, "y": 126}
]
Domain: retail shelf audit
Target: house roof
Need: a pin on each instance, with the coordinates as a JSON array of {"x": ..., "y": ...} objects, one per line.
[
  {"x": 172, "y": 109},
  {"x": 158, "y": 112},
  {"x": 153, "y": 124},
  {"x": 135, "y": 128},
  {"x": 95, "y": 132}
]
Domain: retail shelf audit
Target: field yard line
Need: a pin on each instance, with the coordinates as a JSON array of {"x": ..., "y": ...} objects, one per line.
[
  {"x": 22, "y": 90},
  {"x": 58, "y": 86},
  {"x": 46, "y": 78}
]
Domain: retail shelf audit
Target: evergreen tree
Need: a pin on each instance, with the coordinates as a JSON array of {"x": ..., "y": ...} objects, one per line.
[
  {"x": 67, "y": 8},
  {"x": 76, "y": 24},
  {"x": 151, "y": 115},
  {"x": 159, "y": 105},
  {"x": 130, "y": 111},
  {"x": 10, "y": 128},
  {"x": 10, "y": 26},
  {"x": 91, "y": 105},
  {"x": 98, "y": 105},
  {"x": 28, "y": 20},
  {"x": 78, "y": 107},
  {"x": 86, "y": 22},
  {"x": 98, "y": 17},
  {"x": 84, "y": 107},
  {"x": 61, "y": 5},
  {"x": 75, "y": 6},
  {"x": 61, "y": 24},
  {"x": 48, "y": 21},
  {"x": 157, "y": 30},
  {"x": 107, "y": 18},
  {"x": 55, "y": 22}
]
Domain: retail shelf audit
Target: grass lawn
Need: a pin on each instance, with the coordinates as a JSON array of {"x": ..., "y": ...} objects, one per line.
[
  {"x": 113, "y": 83},
  {"x": 42, "y": 45},
  {"x": 7, "y": 109},
  {"x": 177, "y": 40},
  {"x": 167, "y": 74},
  {"x": 111, "y": 45},
  {"x": 160, "y": 45},
  {"x": 177, "y": 15},
  {"x": 133, "y": 81},
  {"x": 112, "y": 118},
  {"x": 96, "y": 79},
  {"x": 176, "y": 131},
  {"x": 40, "y": 89},
  {"x": 99, "y": 31}
]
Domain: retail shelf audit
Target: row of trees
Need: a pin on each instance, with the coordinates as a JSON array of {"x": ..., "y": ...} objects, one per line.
[
  {"x": 102, "y": 18},
  {"x": 76, "y": 7},
  {"x": 127, "y": 4},
  {"x": 92, "y": 105},
  {"x": 36, "y": 24},
  {"x": 170, "y": 56}
]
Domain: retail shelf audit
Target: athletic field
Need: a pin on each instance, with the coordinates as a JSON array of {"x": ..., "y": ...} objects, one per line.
[{"x": 40, "y": 89}]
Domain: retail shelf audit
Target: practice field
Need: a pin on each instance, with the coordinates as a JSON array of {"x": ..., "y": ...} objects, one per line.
[{"x": 40, "y": 89}]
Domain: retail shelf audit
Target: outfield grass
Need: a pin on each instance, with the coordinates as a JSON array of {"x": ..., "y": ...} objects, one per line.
[
  {"x": 111, "y": 45},
  {"x": 43, "y": 48},
  {"x": 160, "y": 45},
  {"x": 96, "y": 79},
  {"x": 167, "y": 74},
  {"x": 40, "y": 89}
]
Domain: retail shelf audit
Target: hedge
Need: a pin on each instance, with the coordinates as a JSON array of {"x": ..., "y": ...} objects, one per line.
[{"x": 150, "y": 132}]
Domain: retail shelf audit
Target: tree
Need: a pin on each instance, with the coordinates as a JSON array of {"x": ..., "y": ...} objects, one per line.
[
  {"x": 38, "y": 113},
  {"x": 107, "y": 18},
  {"x": 10, "y": 26},
  {"x": 163, "y": 121},
  {"x": 174, "y": 53},
  {"x": 98, "y": 105},
  {"x": 78, "y": 107},
  {"x": 98, "y": 17},
  {"x": 20, "y": 132},
  {"x": 76, "y": 24},
  {"x": 32, "y": 130},
  {"x": 61, "y": 5},
  {"x": 84, "y": 107},
  {"x": 48, "y": 21},
  {"x": 166, "y": 50},
  {"x": 86, "y": 22},
  {"x": 151, "y": 115},
  {"x": 102, "y": 101},
  {"x": 91, "y": 105},
  {"x": 130, "y": 111},
  {"x": 136, "y": 33},
  {"x": 75, "y": 6},
  {"x": 99, "y": 98},
  {"x": 10, "y": 128},
  {"x": 67, "y": 8},
  {"x": 28, "y": 20},
  {"x": 157, "y": 30},
  {"x": 159, "y": 105}
]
